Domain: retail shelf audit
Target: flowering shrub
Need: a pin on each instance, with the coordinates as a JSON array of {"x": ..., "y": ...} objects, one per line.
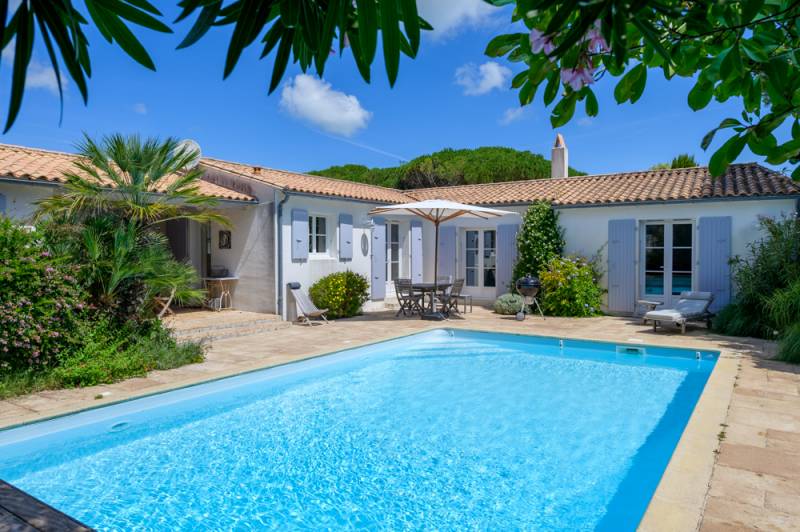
[
  {"x": 508, "y": 304},
  {"x": 342, "y": 293},
  {"x": 539, "y": 239},
  {"x": 41, "y": 304},
  {"x": 570, "y": 288}
]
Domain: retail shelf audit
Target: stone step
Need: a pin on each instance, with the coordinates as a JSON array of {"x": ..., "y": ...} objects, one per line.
[{"x": 228, "y": 330}]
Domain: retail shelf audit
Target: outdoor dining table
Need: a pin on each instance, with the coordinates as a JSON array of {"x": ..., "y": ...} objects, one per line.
[{"x": 430, "y": 288}]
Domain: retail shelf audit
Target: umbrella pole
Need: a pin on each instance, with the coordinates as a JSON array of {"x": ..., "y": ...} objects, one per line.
[{"x": 433, "y": 315}]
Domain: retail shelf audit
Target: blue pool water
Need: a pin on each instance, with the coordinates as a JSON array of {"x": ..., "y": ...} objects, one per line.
[{"x": 440, "y": 430}]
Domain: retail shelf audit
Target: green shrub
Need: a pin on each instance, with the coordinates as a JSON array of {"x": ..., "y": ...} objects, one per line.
[
  {"x": 109, "y": 353},
  {"x": 41, "y": 305},
  {"x": 736, "y": 320},
  {"x": 789, "y": 348},
  {"x": 539, "y": 239},
  {"x": 570, "y": 288},
  {"x": 342, "y": 293},
  {"x": 508, "y": 304}
]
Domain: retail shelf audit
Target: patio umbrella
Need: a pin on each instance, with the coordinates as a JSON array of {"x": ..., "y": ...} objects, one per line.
[{"x": 438, "y": 211}]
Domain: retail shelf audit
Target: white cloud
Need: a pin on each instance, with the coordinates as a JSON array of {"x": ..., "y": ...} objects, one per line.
[
  {"x": 481, "y": 79},
  {"x": 448, "y": 17},
  {"x": 40, "y": 75},
  {"x": 314, "y": 101},
  {"x": 512, "y": 114},
  {"x": 140, "y": 108},
  {"x": 585, "y": 121}
]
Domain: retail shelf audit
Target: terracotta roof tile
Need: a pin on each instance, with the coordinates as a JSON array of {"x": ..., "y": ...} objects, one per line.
[
  {"x": 312, "y": 184},
  {"x": 18, "y": 162},
  {"x": 740, "y": 180}
]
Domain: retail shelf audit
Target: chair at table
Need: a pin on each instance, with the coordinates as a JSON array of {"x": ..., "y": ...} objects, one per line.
[
  {"x": 410, "y": 300},
  {"x": 455, "y": 296}
]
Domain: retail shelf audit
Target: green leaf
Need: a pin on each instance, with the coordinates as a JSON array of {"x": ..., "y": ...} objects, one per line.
[
  {"x": 120, "y": 33},
  {"x": 632, "y": 84},
  {"x": 639, "y": 82},
  {"x": 751, "y": 8},
  {"x": 754, "y": 51},
  {"x": 503, "y": 44},
  {"x": 726, "y": 154},
  {"x": 592, "y": 106},
  {"x": 411, "y": 22},
  {"x": 22, "y": 56},
  {"x": 527, "y": 93},
  {"x": 700, "y": 95},
  {"x": 203, "y": 23},
  {"x": 563, "y": 111},
  {"x": 367, "y": 29},
  {"x": 391, "y": 39},
  {"x": 519, "y": 79},
  {"x": 281, "y": 59},
  {"x": 551, "y": 90}
]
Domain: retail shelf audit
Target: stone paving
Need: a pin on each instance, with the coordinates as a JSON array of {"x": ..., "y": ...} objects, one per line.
[{"x": 737, "y": 466}]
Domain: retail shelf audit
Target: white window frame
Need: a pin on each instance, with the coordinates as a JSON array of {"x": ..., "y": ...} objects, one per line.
[
  {"x": 480, "y": 266},
  {"x": 312, "y": 236}
]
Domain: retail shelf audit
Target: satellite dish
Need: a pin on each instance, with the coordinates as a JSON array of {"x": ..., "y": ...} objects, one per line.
[{"x": 188, "y": 146}]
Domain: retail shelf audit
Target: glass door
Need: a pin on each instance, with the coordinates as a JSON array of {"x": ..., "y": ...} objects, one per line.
[
  {"x": 668, "y": 250},
  {"x": 480, "y": 260},
  {"x": 654, "y": 260}
]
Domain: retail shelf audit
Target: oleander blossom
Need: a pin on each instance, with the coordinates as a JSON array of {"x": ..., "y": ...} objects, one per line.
[
  {"x": 597, "y": 43},
  {"x": 541, "y": 42},
  {"x": 578, "y": 77}
]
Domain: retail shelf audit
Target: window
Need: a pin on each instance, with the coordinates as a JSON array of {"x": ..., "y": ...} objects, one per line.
[
  {"x": 489, "y": 257},
  {"x": 392, "y": 251},
  {"x": 317, "y": 234}
]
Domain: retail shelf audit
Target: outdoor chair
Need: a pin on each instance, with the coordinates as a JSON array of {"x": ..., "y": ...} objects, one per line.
[
  {"x": 692, "y": 306},
  {"x": 306, "y": 309},
  {"x": 409, "y": 299},
  {"x": 454, "y": 296}
]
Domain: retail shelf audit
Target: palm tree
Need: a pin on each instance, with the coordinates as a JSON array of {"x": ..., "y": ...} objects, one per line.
[
  {"x": 147, "y": 181},
  {"x": 106, "y": 219}
]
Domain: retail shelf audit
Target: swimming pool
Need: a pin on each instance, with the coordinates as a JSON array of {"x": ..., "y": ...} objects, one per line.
[{"x": 439, "y": 430}]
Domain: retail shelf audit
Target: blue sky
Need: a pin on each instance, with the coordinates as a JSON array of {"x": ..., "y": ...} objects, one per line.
[{"x": 309, "y": 124}]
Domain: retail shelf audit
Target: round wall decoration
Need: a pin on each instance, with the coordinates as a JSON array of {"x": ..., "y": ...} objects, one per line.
[{"x": 364, "y": 244}]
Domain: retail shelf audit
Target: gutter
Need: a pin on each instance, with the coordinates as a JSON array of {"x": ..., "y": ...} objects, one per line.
[{"x": 279, "y": 255}]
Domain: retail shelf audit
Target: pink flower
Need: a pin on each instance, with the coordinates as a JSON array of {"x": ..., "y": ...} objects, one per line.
[
  {"x": 578, "y": 77},
  {"x": 597, "y": 43},
  {"x": 541, "y": 42}
]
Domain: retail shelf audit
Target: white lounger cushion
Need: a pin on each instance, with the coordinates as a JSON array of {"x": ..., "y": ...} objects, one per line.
[{"x": 690, "y": 305}]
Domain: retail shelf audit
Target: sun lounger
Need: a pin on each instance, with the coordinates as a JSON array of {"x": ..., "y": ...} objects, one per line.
[
  {"x": 692, "y": 306},
  {"x": 306, "y": 309}
]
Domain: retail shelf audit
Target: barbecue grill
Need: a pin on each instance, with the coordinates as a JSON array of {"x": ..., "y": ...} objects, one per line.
[{"x": 528, "y": 287}]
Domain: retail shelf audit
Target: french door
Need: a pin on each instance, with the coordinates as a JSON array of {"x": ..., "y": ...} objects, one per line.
[
  {"x": 480, "y": 261},
  {"x": 668, "y": 250}
]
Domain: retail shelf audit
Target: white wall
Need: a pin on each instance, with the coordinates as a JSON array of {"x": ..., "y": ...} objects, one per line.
[
  {"x": 21, "y": 198},
  {"x": 309, "y": 271},
  {"x": 251, "y": 257},
  {"x": 586, "y": 228}
]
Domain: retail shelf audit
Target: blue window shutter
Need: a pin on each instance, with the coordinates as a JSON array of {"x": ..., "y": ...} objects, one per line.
[
  {"x": 506, "y": 256},
  {"x": 714, "y": 249},
  {"x": 622, "y": 265},
  {"x": 299, "y": 234},
  {"x": 447, "y": 251},
  {"x": 2, "y": 204},
  {"x": 416, "y": 251},
  {"x": 378, "y": 281},
  {"x": 345, "y": 236}
]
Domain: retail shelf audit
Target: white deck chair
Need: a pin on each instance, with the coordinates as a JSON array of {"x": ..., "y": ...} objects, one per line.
[
  {"x": 692, "y": 306},
  {"x": 306, "y": 309}
]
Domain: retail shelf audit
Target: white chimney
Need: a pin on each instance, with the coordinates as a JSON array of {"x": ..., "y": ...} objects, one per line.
[{"x": 559, "y": 162}]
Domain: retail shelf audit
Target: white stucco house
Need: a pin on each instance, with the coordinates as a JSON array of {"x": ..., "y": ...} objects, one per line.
[{"x": 659, "y": 232}]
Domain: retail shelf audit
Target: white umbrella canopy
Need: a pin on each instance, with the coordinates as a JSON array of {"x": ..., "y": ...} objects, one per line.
[{"x": 439, "y": 211}]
